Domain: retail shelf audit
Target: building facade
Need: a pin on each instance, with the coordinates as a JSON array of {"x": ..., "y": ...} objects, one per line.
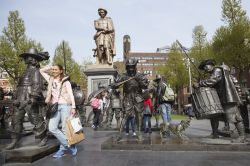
[
  {"x": 148, "y": 62},
  {"x": 4, "y": 81}
]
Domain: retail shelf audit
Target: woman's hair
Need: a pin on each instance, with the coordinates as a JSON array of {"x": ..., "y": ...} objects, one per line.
[{"x": 60, "y": 68}]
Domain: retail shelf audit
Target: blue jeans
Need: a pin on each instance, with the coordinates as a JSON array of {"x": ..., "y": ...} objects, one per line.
[
  {"x": 147, "y": 121},
  {"x": 165, "y": 111},
  {"x": 130, "y": 119},
  {"x": 61, "y": 115}
]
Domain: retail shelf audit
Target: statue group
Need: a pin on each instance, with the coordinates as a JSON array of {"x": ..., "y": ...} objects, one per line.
[{"x": 29, "y": 96}]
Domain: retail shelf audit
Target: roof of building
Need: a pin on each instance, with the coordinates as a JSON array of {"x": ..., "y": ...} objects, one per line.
[{"x": 150, "y": 54}]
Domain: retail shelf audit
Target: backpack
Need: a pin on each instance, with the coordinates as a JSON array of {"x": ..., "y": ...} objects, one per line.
[
  {"x": 168, "y": 94},
  {"x": 95, "y": 103}
]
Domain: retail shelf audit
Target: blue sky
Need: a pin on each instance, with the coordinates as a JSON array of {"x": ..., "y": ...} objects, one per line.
[{"x": 150, "y": 24}]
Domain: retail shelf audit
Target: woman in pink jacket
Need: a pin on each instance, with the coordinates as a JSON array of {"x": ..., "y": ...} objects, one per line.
[{"x": 66, "y": 106}]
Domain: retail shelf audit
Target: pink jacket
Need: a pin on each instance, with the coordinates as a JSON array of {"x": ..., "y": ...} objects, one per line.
[{"x": 66, "y": 96}]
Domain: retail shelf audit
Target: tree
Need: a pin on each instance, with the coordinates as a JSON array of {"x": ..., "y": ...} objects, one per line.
[
  {"x": 232, "y": 12},
  {"x": 73, "y": 69},
  {"x": 119, "y": 65},
  {"x": 13, "y": 42},
  {"x": 175, "y": 71},
  {"x": 200, "y": 49},
  {"x": 229, "y": 44}
]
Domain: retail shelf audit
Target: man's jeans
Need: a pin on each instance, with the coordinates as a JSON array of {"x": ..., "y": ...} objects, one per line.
[
  {"x": 165, "y": 111},
  {"x": 62, "y": 114}
]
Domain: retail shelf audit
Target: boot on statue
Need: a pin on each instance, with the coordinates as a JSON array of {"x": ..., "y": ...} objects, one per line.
[
  {"x": 14, "y": 141},
  {"x": 241, "y": 130}
]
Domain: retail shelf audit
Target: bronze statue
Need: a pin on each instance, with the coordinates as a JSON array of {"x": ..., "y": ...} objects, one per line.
[
  {"x": 115, "y": 107},
  {"x": 176, "y": 129},
  {"x": 134, "y": 84},
  {"x": 245, "y": 97},
  {"x": 104, "y": 38},
  {"x": 221, "y": 80},
  {"x": 79, "y": 100},
  {"x": 2, "y": 112},
  {"x": 28, "y": 98}
]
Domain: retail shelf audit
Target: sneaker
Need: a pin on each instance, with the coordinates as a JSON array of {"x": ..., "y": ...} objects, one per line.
[
  {"x": 127, "y": 134},
  {"x": 73, "y": 150},
  {"x": 134, "y": 134},
  {"x": 59, "y": 153},
  {"x": 93, "y": 126}
]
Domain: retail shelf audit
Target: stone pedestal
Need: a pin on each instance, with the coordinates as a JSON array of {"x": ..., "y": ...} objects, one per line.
[
  {"x": 99, "y": 74},
  {"x": 154, "y": 142},
  {"x": 27, "y": 150}
]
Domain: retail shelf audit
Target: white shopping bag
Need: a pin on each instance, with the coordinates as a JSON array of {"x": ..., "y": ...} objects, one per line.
[{"x": 76, "y": 124}]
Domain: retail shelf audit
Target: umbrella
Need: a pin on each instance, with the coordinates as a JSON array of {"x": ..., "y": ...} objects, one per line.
[{"x": 97, "y": 92}]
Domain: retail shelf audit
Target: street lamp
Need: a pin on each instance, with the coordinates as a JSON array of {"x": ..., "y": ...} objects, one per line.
[
  {"x": 189, "y": 70},
  {"x": 190, "y": 77}
]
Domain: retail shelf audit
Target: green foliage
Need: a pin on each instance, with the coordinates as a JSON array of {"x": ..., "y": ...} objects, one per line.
[
  {"x": 232, "y": 12},
  {"x": 175, "y": 70},
  {"x": 13, "y": 42},
  {"x": 229, "y": 42},
  {"x": 179, "y": 117},
  {"x": 73, "y": 69},
  {"x": 229, "y": 46},
  {"x": 200, "y": 50},
  {"x": 119, "y": 66}
]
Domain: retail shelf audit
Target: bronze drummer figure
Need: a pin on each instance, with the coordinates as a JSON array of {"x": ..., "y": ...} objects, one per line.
[{"x": 221, "y": 80}]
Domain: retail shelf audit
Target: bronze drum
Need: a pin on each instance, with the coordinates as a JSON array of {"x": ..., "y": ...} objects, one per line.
[{"x": 206, "y": 103}]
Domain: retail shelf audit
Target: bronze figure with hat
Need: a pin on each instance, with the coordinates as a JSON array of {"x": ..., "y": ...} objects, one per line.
[
  {"x": 33, "y": 52},
  {"x": 206, "y": 62},
  {"x": 221, "y": 80},
  {"x": 29, "y": 98}
]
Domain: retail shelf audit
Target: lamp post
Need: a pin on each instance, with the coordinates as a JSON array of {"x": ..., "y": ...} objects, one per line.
[
  {"x": 189, "y": 72},
  {"x": 190, "y": 77},
  {"x": 64, "y": 58}
]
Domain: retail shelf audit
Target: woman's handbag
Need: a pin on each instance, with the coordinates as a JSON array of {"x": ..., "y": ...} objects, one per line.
[
  {"x": 147, "y": 110},
  {"x": 53, "y": 108},
  {"x": 72, "y": 137}
]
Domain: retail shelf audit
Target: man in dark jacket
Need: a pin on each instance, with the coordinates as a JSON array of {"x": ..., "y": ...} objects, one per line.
[{"x": 162, "y": 105}]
